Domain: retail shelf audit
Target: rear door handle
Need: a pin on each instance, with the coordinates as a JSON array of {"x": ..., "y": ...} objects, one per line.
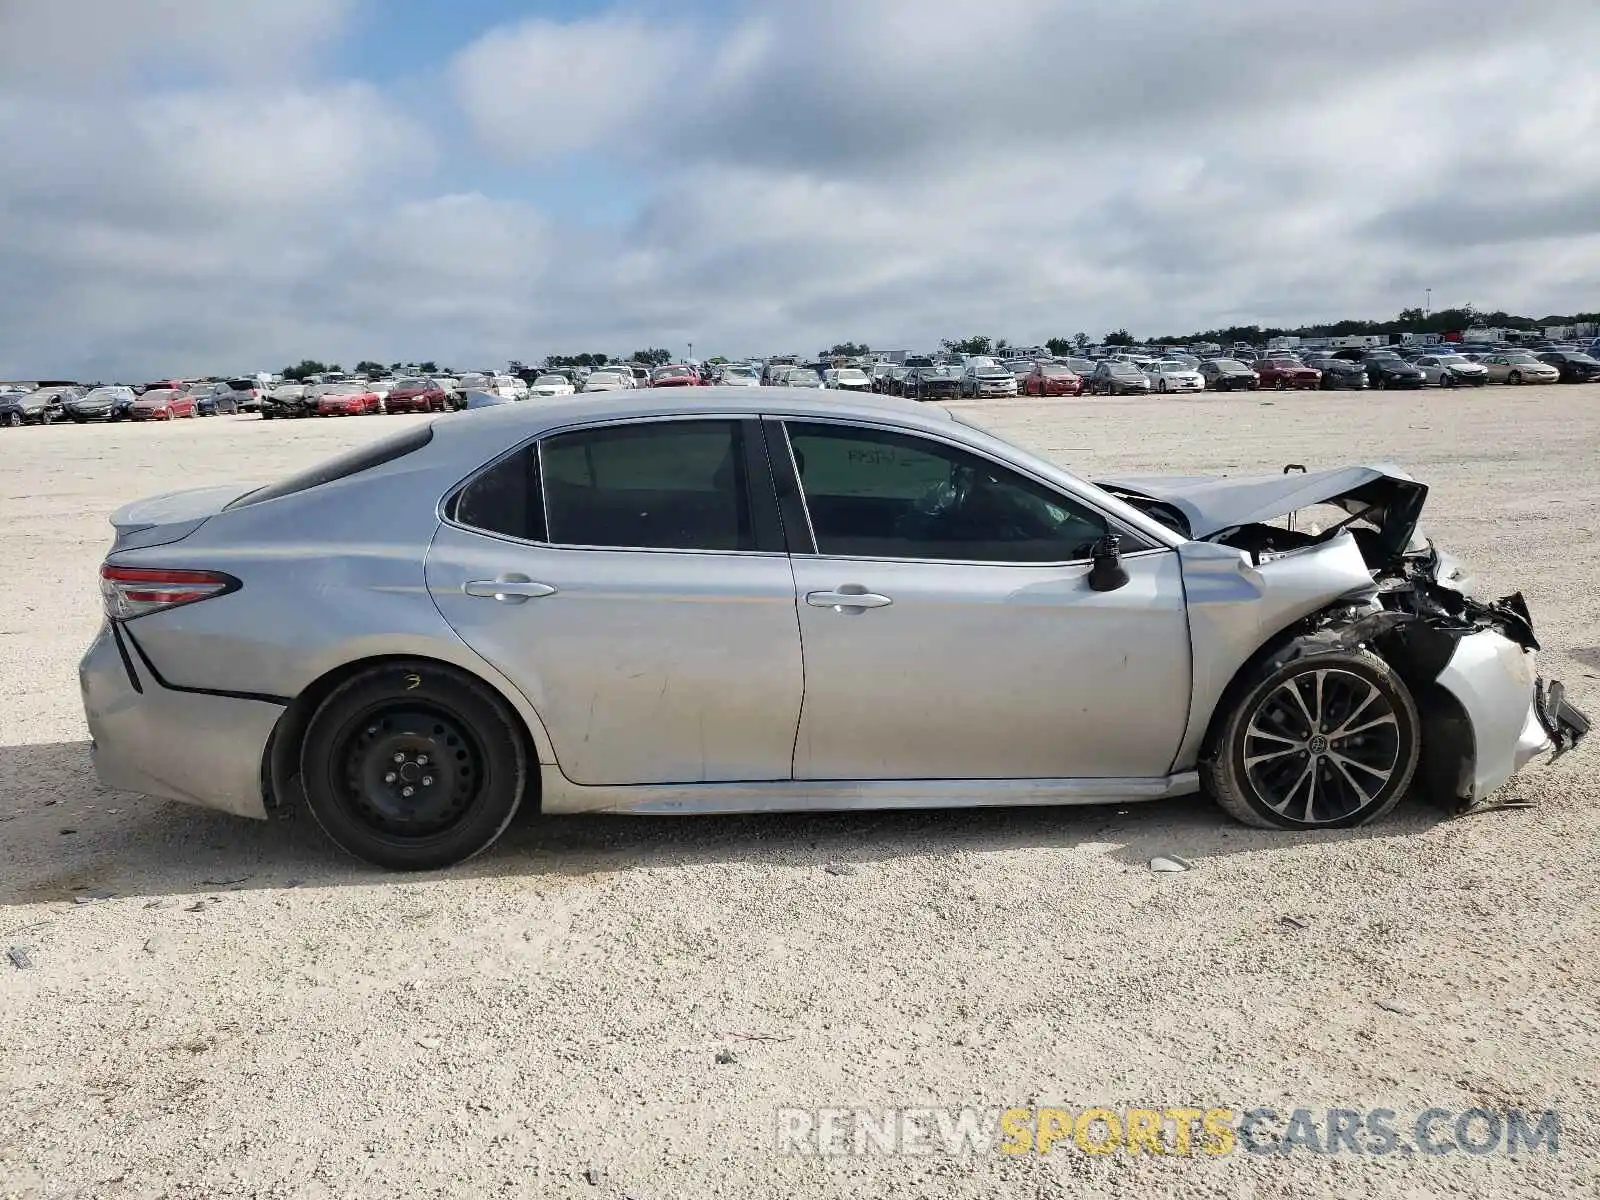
[
  {"x": 508, "y": 589},
  {"x": 849, "y": 596}
]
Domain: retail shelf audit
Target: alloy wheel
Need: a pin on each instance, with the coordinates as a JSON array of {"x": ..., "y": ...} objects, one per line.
[{"x": 1322, "y": 746}]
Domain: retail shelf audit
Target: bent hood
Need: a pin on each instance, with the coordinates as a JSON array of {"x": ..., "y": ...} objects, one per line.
[{"x": 1212, "y": 504}]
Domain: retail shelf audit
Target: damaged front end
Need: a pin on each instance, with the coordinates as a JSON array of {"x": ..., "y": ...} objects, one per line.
[{"x": 1469, "y": 664}]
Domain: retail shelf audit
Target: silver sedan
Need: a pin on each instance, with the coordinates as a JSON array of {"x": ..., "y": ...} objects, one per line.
[{"x": 747, "y": 599}]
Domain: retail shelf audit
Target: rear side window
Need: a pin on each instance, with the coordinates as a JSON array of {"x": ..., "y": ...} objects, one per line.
[
  {"x": 665, "y": 485},
  {"x": 505, "y": 499},
  {"x": 352, "y": 462}
]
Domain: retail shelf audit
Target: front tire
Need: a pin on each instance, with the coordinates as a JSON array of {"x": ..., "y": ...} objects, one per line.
[
  {"x": 1317, "y": 737},
  {"x": 414, "y": 766},
  {"x": 1515, "y": 379}
]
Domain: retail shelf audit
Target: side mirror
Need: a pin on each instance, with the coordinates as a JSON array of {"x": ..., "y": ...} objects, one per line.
[{"x": 1108, "y": 574}]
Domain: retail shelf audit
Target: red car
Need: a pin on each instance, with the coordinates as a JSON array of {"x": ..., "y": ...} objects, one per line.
[
  {"x": 418, "y": 396},
  {"x": 348, "y": 400},
  {"x": 1287, "y": 372},
  {"x": 163, "y": 404},
  {"x": 676, "y": 377},
  {"x": 1052, "y": 379}
]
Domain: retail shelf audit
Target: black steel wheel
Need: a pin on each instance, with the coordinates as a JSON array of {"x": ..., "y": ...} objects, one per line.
[
  {"x": 1324, "y": 739},
  {"x": 414, "y": 766}
]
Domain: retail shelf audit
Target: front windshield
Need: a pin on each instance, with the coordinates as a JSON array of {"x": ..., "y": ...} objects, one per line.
[
  {"x": 1230, "y": 364},
  {"x": 853, "y": 376},
  {"x": 1521, "y": 359},
  {"x": 1168, "y": 364},
  {"x": 602, "y": 377},
  {"x": 549, "y": 380},
  {"x": 802, "y": 376},
  {"x": 159, "y": 396}
]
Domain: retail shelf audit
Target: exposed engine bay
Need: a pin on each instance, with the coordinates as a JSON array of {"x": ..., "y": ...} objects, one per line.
[{"x": 1417, "y": 614}]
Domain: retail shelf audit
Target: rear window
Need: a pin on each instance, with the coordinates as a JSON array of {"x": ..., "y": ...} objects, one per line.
[
  {"x": 352, "y": 462},
  {"x": 242, "y": 385}
]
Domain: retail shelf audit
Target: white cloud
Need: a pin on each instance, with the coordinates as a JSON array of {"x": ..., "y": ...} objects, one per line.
[
  {"x": 82, "y": 40},
  {"x": 542, "y": 87},
  {"x": 815, "y": 171}
]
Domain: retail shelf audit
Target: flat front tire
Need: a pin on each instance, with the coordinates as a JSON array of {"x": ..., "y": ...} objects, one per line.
[
  {"x": 1314, "y": 738},
  {"x": 414, "y": 766}
]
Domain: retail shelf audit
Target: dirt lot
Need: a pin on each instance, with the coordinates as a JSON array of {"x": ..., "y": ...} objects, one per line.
[{"x": 249, "y": 1013}]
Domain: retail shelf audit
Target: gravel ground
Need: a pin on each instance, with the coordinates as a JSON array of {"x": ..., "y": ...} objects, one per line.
[{"x": 245, "y": 1012}]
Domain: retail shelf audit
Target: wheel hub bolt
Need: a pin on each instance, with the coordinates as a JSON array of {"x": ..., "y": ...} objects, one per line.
[
  {"x": 427, "y": 781},
  {"x": 389, "y": 778},
  {"x": 422, "y": 760},
  {"x": 408, "y": 792},
  {"x": 399, "y": 758}
]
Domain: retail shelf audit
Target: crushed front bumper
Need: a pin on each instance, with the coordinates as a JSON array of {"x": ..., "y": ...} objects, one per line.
[
  {"x": 199, "y": 748},
  {"x": 1512, "y": 715}
]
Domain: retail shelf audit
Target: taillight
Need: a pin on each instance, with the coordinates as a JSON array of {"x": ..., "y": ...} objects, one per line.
[{"x": 136, "y": 591}]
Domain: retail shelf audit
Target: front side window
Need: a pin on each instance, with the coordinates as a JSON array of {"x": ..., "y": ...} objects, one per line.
[
  {"x": 666, "y": 485},
  {"x": 879, "y": 494}
]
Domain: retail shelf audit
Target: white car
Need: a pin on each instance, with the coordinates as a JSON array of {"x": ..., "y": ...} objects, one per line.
[
  {"x": 473, "y": 382},
  {"x": 739, "y": 377},
  {"x": 1451, "y": 370},
  {"x": 847, "y": 379},
  {"x": 552, "y": 385},
  {"x": 508, "y": 387},
  {"x": 608, "y": 381},
  {"x": 983, "y": 376},
  {"x": 1170, "y": 375}
]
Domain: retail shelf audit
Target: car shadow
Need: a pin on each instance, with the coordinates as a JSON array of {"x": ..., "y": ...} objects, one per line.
[{"x": 64, "y": 837}]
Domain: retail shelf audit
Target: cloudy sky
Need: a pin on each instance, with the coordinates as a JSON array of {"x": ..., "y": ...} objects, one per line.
[{"x": 200, "y": 186}]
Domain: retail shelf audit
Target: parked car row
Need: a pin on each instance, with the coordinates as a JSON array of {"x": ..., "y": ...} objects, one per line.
[{"x": 918, "y": 377}]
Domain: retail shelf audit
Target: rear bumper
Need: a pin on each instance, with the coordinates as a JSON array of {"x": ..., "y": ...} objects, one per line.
[
  {"x": 1514, "y": 716},
  {"x": 201, "y": 749}
]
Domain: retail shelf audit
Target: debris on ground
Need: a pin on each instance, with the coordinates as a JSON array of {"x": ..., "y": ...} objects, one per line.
[
  {"x": 726, "y": 1057},
  {"x": 1168, "y": 863},
  {"x": 840, "y": 868},
  {"x": 19, "y": 957}
]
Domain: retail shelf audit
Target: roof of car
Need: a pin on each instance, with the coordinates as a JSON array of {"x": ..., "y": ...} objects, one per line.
[{"x": 708, "y": 401}]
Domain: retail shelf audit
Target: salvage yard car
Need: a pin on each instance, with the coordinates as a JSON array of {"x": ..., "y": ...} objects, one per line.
[
  {"x": 1116, "y": 377},
  {"x": 982, "y": 377},
  {"x": 416, "y": 395},
  {"x": 603, "y": 604},
  {"x": 1282, "y": 372},
  {"x": 1052, "y": 379},
  {"x": 42, "y": 406},
  {"x": 163, "y": 404},
  {"x": 1228, "y": 375},
  {"x": 1170, "y": 375},
  {"x": 347, "y": 400},
  {"x": 99, "y": 404},
  {"x": 1451, "y": 370}
]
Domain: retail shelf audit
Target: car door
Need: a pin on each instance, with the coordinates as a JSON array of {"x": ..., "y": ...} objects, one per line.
[
  {"x": 631, "y": 579},
  {"x": 948, "y": 624}
]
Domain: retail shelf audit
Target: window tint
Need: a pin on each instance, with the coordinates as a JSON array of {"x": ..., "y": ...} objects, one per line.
[
  {"x": 879, "y": 494},
  {"x": 668, "y": 485},
  {"x": 505, "y": 498}
]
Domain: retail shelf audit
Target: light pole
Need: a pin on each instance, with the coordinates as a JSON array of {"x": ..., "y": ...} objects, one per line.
[
  {"x": 691, "y": 351},
  {"x": 1427, "y": 306}
]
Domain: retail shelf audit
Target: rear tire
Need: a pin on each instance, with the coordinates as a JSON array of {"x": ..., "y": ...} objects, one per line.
[
  {"x": 1280, "y": 754},
  {"x": 420, "y": 727}
]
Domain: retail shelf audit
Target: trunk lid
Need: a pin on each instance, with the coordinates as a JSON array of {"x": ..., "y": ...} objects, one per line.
[{"x": 171, "y": 516}]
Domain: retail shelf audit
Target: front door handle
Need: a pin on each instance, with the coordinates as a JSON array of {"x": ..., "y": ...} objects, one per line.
[
  {"x": 849, "y": 597},
  {"x": 508, "y": 589}
]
